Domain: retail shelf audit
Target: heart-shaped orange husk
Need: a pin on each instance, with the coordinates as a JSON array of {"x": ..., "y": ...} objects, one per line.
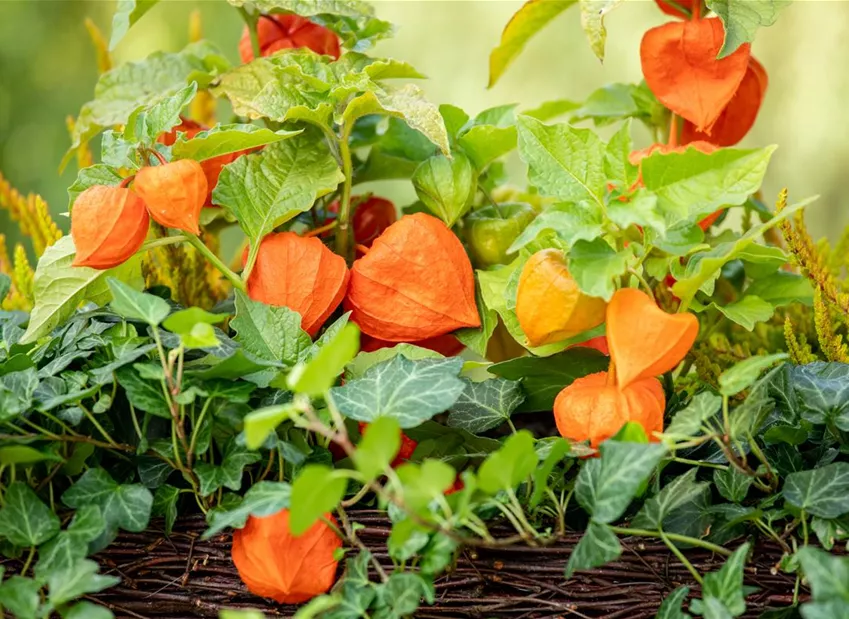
[
  {"x": 740, "y": 113},
  {"x": 644, "y": 340},
  {"x": 288, "y": 31},
  {"x": 174, "y": 193},
  {"x": 289, "y": 569},
  {"x": 594, "y": 409},
  {"x": 415, "y": 283},
  {"x": 108, "y": 225},
  {"x": 549, "y": 305},
  {"x": 681, "y": 68},
  {"x": 301, "y": 274}
]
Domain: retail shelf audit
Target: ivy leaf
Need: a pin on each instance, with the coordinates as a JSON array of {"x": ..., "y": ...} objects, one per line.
[
  {"x": 508, "y": 467},
  {"x": 606, "y": 485},
  {"x": 16, "y": 392},
  {"x": 264, "y": 498},
  {"x": 671, "y": 606},
  {"x": 134, "y": 305},
  {"x": 229, "y": 473},
  {"x": 226, "y": 139},
  {"x": 401, "y": 594},
  {"x": 269, "y": 332},
  {"x": 127, "y": 13},
  {"x": 592, "y": 21},
  {"x": 744, "y": 374},
  {"x": 20, "y": 596},
  {"x": 60, "y": 288},
  {"x": 485, "y": 405},
  {"x": 409, "y": 391},
  {"x": 726, "y": 585},
  {"x": 320, "y": 373},
  {"x": 827, "y": 575},
  {"x": 742, "y": 19},
  {"x": 678, "y": 492},
  {"x": 558, "y": 450},
  {"x": 526, "y": 22},
  {"x": 598, "y": 545},
  {"x": 446, "y": 186},
  {"x": 25, "y": 520},
  {"x": 87, "y": 610},
  {"x": 569, "y": 222},
  {"x": 692, "y": 184},
  {"x": 544, "y": 377},
  {"x": 144, "y": 394},
  {"x": 165, "y": 505},
  {"x": 595, "y": 266},
  {"x": 822, "y": 492},
  {"x": 316, "y": 491},
  {"x": 258, "y": 424},
  {"x": 267, "y": 189},
  {"x": 71, "y": 545},
  {"x": 365, "y": 360},
  {"x": 76, "y": 581},
  {"x": 378, "y": 447},
  {"x": 123, "y": 506},
  {"x": 732, "y": 484},
  {"x": 563, "y": 162}
]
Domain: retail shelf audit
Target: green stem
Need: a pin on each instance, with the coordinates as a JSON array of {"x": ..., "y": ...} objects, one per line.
[
  {"x": 681, "y": 557},
  {"x": 709, "y": 465},
  {"x": 162, "y": 242},
  {"x": 683, "y": 539},
  {"x": 344, "y": 243},
  {"x": 251, "y": 22},
  {"x": 197, "y": 427},
  {"x": 28, "y": 562},
  {"x": 207, "y": 253},
  {"x": 90, "y": 416}
]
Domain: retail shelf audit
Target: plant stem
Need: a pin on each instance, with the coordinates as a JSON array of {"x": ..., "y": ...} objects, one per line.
[
  {"x": 672, "y": 536},
  {"x": 343, "y": 233},
  {"x": 709, "y": 465},
  {"x": 28, "y": 562},
  {"x": 251, "y": 23},
  {"x": 90, "y": 416},
  {"x": 681, "y": 557},
  {"x": 207, "y": 253}
]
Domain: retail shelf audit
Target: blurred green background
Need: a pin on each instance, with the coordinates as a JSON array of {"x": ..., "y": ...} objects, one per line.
[{"x": 48, "y": 70}]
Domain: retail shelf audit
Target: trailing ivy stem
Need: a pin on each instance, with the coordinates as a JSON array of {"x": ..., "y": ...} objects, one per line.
[
  {"x": 196, "y": 430},
  {"x": 343, "y": 233},
  {"x": 207, "y": 253},
  {"x": 710, "y": 465},
  {"x": 681, "y": 558},
  {"x": 90, "y": 416},
  {"x": 28, "y": 562},
  {"x": 683, "y": 539}
]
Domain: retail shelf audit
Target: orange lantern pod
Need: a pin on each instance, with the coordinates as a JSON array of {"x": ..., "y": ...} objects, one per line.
[
  {"x": 681, "y": 68},
  {"x": 174, "y": 193},
  {"x": 549, "y": 305},
  {"x": 288, "y": 31},
  {"x": 644, "y": 340},
  {"x": 108, "y": 226},
  {"x": 594, "y": 409},
  {"x": 415, "y": 283},
  {"x": 675, "y": 11},
  {"x": 597, "y": 343},
  {"x": 298, "y": 273},
  {"x": 187, "y": 126},
  {"x": 446, "y": 345},
  {"x": 286, "y": 568},
  {"x": 740, "y": 113}
]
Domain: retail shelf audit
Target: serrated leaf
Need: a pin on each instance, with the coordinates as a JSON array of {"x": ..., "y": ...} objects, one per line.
[
  {"x": 569, "y": 222},
  {"x": 598, "y": 545},
  {"x": 127, "y": 13},
  {"x": 25, "y": 520},
  {"x": 742, "y": 19},
  {"x": 617, "y": 162},
  {"x": 272, "y": 333},
  {"x": 264, "y": 498},
  {"x": 123, "y": 506},
  {"x": 640, "y": 209},
  {"x": 526, "y": 22},
  {"x": 410, "y": 391},
  {"x": 146, "y": 124},
  {"x": 486, "y": 143},
  {"x": 316, "y": 491},
  {"x": 592, "y": 21},
  {"x": 595, "y": 266},
  {"x": 226, "y": 139},
  {"x": 60, "y": 288},
  {"x": 97, "y": 174},
  {"x": 267, "y": 189},
  {"x": 606, "y": 485},
  {"x": 822, "y": 492},
  {"x": 485, "y": 405}
]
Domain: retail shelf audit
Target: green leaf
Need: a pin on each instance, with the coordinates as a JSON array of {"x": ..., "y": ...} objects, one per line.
[
  {"x": 732, "y": 484},
  {"x": 5, "y": 286},
  {"x": 183, "y": 321},
  {"x": 147, "y": 123},
  {"x": 269, "y": 332},
  {"x": 617, "y": 159},
  {"x": 486, "y": 143},
  {"x": 401, "y": 595},
  {"x": 446, "y": 186},
  {"x": 16, "y": 392},
  {"x": 726, "y": 585},
  {"x": 264, "y": 498},
  {"x": 596, "y": 266},
  {"x": 22, "y": 454},
  {"x": 267, "y": 189},
  {"x": 544, "y": 377},
  {"x": 60, "y": 288},
  {"x": 616, "y": 102},
  {"x": 409, "y": 391},
  {"x": 144, "y": 394},
  {"x": 598, "y": 546},
  {"x": 71, "y": 545},
  {"x": 592, "y": 21},
  {"x": 526, "y": 22},
  {"x": 671, "y": 606},
  {"x": 123, "y": 506},
  {"x": 87, "y": 610},
  {"x": 743, "y": 18},
  {"x": 692, "y": 184},
  {"x": 559, "y": 449},
  {"x": 365, "y": 360},
  {"x": 421, "y": 484},
  {"x": 744, "y": 374},
  {"x": 569, "y": 222},
  {"x": 508, "y": 467},
  {"x": 747, "y": 312},
  {"x": 97, "y": 174},
  {"x": 822, "y": 492},
  {"x": 563, "y": 162},
  {"x": 165, "y": 505},
  {"x": 78, "y": 580},
  {"x": 316, "y": 491},
  {"x": 485, "y": 405},
  {"x": 134, "y": 305},
  {"x": 378, "y": 447},
  {"x": 320, "y": 373},
  {"x": 606, "y": 485},
  {"x": 20, "y": 596},
  {"x": 262, "y": 422},
  {"x": 226, "y": 139},
  {"x": 828, "y": 575},
  {"x": 478, "y": 339},
  {"x": 229, "y": 473},
  {"x": 677, "y": 493},
  {"x": 641, "y": 210},
  {"x": 25, "y": 520},
  {"x": 782, "y": 288},
  {"x": 127, "y": 13}
]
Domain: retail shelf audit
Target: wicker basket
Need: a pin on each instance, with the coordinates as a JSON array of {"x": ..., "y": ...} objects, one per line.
[{"x": 181, "y": 577}]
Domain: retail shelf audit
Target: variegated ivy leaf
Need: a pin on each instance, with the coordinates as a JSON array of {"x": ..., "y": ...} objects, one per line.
[{"x": 485, "y": 405}]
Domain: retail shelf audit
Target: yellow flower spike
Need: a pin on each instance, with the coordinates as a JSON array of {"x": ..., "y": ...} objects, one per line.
[
  {"x": 101, "y": 47},
  {"x": 23, "y": 274}
]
